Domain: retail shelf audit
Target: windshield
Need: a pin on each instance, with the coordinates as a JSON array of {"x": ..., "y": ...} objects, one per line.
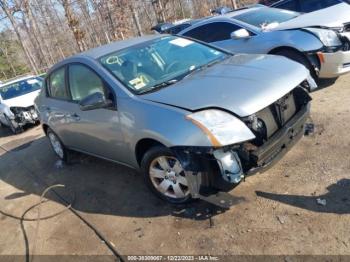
[
  {"x": 20, "y": 88},
  {"x": 145, "y": 67},
  {"x": 263, "y": 17}
]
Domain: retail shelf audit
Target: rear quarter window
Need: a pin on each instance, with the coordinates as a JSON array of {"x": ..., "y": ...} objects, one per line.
[{"x": 57, "y": 84}]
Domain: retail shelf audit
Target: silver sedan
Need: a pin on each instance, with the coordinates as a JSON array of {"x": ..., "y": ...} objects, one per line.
[
  {"x": 319, "y": 40},
  {"x": 189, "y": 116}
]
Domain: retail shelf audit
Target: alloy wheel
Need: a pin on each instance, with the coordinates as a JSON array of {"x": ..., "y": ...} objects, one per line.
[
  {"x": 56, "y": 145},
  {"x": 168, "y": 177}
]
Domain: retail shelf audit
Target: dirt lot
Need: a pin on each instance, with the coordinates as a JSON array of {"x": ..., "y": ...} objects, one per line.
[{"x": 278, "y": 212}]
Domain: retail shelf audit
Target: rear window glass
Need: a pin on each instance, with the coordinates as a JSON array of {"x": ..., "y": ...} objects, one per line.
[
  {"x": 20, "y": 88},
  {"x": 57, "y": 86}
]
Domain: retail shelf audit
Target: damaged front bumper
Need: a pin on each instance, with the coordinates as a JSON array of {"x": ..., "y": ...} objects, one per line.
[
  {"x": 212, "y": 170},
  {"x": 24, "y": 115},
  {"x": 336, "y": 63}
]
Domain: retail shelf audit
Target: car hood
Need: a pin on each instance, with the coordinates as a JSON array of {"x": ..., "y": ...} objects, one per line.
[
  {"x": 242, "y": 84},
  {"x": 23, "y": 100},
  {"x": 334, "y": 16}
]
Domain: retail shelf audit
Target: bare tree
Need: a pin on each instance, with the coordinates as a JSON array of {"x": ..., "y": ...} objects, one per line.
[
  {"x": 9, "y": 14},
  {"x": 73, "y": 24}
]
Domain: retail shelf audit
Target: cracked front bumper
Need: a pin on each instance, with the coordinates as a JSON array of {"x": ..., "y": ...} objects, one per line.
[
  {"x": 26, "y": 117},
  {"x": 271, "y": 152},
  {"x": 334, "y": 64}
]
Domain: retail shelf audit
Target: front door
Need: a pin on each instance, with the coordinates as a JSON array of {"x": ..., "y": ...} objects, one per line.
[{"x": 94, "y": 131}]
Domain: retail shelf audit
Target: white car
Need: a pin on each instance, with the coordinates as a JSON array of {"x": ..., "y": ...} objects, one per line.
[{"x": 17, "y": 102}]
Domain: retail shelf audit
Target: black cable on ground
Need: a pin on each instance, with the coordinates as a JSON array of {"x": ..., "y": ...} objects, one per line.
[{"x": 22, "y": 218}]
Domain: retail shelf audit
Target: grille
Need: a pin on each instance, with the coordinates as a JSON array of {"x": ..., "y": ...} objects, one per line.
[
  {"x": 268, "y": 121},
  {"x": 275, "y": 116}
]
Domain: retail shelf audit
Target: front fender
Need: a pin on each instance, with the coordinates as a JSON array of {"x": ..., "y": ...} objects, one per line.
[
  {"x": 6, "y": 111},
  {"x": 140, "y": 119},
  {"x": 297, "y": 39}
]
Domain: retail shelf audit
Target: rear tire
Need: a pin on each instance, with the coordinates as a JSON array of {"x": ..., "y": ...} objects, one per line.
[
  {"x": 57, "y": 145},
  {"x": 300, "y": 58},
  {"x": 164, "y": 175}
]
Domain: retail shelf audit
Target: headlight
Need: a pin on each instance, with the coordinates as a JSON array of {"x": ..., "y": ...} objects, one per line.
[
  {"x": 221, "y": 128},
  {"x": 16, "y": 110},
  {"x": 327, "y": 37}
]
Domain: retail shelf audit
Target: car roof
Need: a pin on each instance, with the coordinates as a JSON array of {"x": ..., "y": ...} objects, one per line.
[{"x": 117, "y": 45}]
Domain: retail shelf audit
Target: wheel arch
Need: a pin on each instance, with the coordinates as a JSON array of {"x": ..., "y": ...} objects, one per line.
[
  {"x": 275, "y": 50},
  {"x": 45, "y": 127},
  {"x": 312, "y": 59},
  {"x": 143, "y": 145}
]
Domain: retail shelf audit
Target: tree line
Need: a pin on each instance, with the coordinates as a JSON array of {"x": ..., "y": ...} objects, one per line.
[{"x": 35, "y": 34}]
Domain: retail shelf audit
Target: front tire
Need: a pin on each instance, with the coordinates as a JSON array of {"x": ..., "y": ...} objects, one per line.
[
  {"x": 165, "y": 176},
  {"x": 57, "y": 145},
  {"x": 15, "y": 128}
]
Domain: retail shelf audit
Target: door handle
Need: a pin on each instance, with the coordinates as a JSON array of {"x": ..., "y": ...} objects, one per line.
[
  {"x": 45, "y": 108},
  {"x": 60, "y": 115}
]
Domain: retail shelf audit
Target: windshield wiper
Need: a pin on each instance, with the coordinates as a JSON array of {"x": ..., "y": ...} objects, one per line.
[
  {"x": 158, "y": 86},
  {"x": 202, "y": 67}
]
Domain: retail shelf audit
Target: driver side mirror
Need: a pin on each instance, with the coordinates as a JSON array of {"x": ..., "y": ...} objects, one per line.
[
  {"x": 95, "y": 101},
  {"x": 240, "y": 34}
]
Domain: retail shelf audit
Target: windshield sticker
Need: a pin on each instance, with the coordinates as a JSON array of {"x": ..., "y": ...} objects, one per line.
[
  {"x": 139, "y": 82},
  {"x": 32, "y": 81},
  {"x": 286, "y": 12},
  {"x": 182, "y": 42},
  {"x": 215, "y": 52}
]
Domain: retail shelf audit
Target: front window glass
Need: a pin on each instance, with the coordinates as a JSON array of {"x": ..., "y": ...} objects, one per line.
[
  {"x": 83, "y": 82},
  {"x": 263, "y": 17},
  {"x": 20, "y": 88},
  {"x": 155, "y": 63}
]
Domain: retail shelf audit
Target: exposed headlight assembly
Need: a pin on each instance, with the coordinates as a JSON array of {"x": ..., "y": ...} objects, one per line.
[
  {"x": 16, "y": 110},
  {"x": 328, "y": 37},
  {"x": 221, "y": 127}
]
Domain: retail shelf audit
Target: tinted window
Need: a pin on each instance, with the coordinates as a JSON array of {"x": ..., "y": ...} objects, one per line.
[
  {"x": 213, "y": 32},
  {"x": 262, "y": 17},
  {"x": 57, "y": 87},
  {"x": 83, "y": 82},
  {"x": 20, "y": 88},
  {"x": 313, "y": 5},
  {"x": 288, "y": 5}
]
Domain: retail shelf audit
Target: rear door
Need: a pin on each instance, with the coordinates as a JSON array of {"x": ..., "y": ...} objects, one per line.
[{"x": 57, "y": 103}]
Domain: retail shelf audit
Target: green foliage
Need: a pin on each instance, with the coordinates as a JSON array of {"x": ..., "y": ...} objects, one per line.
[{"x": 11, "y": 57}]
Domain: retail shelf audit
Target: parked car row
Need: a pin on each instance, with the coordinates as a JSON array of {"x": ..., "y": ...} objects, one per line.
[
  {"x": 192, "y": 112},
  {"x": 318, "y": 40}
]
